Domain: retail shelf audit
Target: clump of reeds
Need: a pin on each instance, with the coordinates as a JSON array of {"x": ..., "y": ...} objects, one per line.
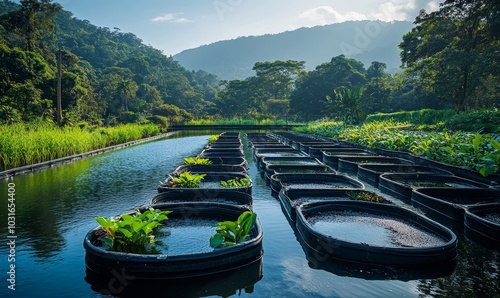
[{"x": 23, "y": 144}]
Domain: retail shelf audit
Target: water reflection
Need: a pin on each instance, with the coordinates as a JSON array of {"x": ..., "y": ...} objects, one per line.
[
  {"x": 477, "y": 275},
  {"x": 52, "y": 202},
  {"x": 42, "y": 207},
  {"x": 225, "y": 284}
]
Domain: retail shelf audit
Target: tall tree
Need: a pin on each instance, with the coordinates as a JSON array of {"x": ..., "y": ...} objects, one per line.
[
  {"x": 309, "y": 97},
  {"x": 377, "y": 91},
  {"x": 454, "y": 51},
  {"x": 348, "y": 103},
  {"x": 34, "y": 20},
  {"x": 278, "y": 77}
]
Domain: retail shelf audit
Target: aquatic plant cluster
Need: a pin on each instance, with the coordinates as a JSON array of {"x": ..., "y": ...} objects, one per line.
[
  {"x": 24, "y": 144},
  {"x": 132, "y": 233},
  {"x": 135, "y": 233}
]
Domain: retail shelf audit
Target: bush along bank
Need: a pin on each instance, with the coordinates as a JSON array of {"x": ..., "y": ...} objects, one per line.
[{"x": 479, "y": 152}]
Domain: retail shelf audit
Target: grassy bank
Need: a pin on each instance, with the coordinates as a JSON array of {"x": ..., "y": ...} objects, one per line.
[
  {"x": 24, "y": 144},
  {"x": 484, "y": 121},
  {"x": 480, "y": 152}
]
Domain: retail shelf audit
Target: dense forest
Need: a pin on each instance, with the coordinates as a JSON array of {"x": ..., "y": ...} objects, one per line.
[
  {"x": 107, "y": 76},
  {"x": 450, "y": 59}
]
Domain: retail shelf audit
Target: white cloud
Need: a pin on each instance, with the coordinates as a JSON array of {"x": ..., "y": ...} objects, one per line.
[
  {"x": 433, "y": 6},
  {"x": 182, "y": 20},
  {"x": 396, "y": 10},
  {"x": 386, "y": 11},
  {"x": 172, "y": 18},
  {"x": 327, "y": 15}
]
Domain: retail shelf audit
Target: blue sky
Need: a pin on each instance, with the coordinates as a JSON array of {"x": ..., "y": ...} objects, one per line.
[{"x": 173, "y": 26}]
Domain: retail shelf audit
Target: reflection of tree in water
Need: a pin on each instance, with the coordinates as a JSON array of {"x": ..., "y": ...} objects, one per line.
[
  {"x": 43, "y": 203},
  {"x": 477, "y": 275}
]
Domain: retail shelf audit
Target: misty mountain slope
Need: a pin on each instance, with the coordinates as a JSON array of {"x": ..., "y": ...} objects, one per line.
[{"x": 365, "y": 41}]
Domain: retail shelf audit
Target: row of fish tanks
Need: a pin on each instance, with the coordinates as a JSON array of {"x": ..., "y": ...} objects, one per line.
[{"x": 335, "y": 195}]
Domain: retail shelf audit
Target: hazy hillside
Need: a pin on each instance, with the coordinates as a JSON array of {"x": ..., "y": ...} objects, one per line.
[{"x": 365, "y": 41}]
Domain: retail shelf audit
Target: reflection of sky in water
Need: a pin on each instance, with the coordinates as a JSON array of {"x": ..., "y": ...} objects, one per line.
[
  {"x": 318, "y": 283},
  {"x": 56, "y": 207}
]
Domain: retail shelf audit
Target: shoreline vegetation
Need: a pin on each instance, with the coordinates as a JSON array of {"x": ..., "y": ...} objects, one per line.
[
  {"x": 24, "y": 144},
  {"x": 425, "y": 134},
  {"x": 433, "y": 134}
]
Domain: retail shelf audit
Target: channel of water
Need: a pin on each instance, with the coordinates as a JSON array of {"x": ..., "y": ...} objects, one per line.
[{"x": 56, "y": 207}]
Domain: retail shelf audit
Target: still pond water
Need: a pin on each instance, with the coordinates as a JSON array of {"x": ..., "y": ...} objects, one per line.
[{"x": 56, "y": 207}]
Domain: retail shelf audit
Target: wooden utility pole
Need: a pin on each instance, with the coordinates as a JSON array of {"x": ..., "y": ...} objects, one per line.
[{"x": 59, "y": 88}]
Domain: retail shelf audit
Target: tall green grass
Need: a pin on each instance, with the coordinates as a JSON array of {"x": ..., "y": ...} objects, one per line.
[
  {"x": 425, "y": 116},
  {"x": 483, "y": 121},
  {"x": 23, "y": 144}
]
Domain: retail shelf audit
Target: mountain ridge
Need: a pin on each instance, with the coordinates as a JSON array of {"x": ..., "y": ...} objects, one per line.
[{"x": 365, "y": 41}]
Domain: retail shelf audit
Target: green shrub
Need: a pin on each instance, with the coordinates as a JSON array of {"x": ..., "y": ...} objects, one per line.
[
  {"x": 132, "y": 233},
  {"x": 185, "y": 180},
  {"x": 197, "y": 161},
  {"x": 236, "y": 182},
  {"x": 484, "y": 121},
  {"x": 229, "y": 233}
]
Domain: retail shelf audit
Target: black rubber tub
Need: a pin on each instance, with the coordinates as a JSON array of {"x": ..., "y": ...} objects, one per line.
[
  {"x": 177, "y": 265},
  {"x": 448, "y": 205},
  {"x": 265, "y": 161},
  {"x": 291, "y": 198},
  {"x": 226, "y": 145},
  {"x": 371, "y": 233},
  {"x": 317, "y": 151},
  {"x": 221, "y": 160},
  {"x": 296, "y": 169},
  {"x": 331, "y": 157},
  {"x": 304, "y": 146},
  {"x": 210, "y": 169},
  {"x": 283, "y": 152},
  {"x": 401, "y": 185},
  {"x": 322, "y": 261},
  {"x": 223, "y": 152},
  {"x": 313, "y": 181},
  {"x": 370, "y": 173},
  {"x": 212, "y": 181},
  {"x": 229, "y": 137},
  {"x": 350, "y": 164},
  {"x": 482, "y": 225},
  {"x": 224, "y": 196},
  {"x": 268, "y": 145}
]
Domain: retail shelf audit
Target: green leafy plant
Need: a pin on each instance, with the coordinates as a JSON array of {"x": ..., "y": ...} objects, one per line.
[
  {"x": 236, "y": 182},
  {"x": 185, "y": 180},
  {"x": 229, "y": 233},
  {"x": 213, "y": 138},
  {"x": 366, "y": 196},
  {"x": 469, "y": 150},
  {"x": 132, "y": 233},
  {"x": 197, "y": 161}
]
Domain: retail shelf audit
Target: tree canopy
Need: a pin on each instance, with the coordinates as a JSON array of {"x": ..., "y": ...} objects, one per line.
[
  {"x": 450, "y": 60},
  {"x": 455, "y": 52},
  {"x": 105, "y": 73}
]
